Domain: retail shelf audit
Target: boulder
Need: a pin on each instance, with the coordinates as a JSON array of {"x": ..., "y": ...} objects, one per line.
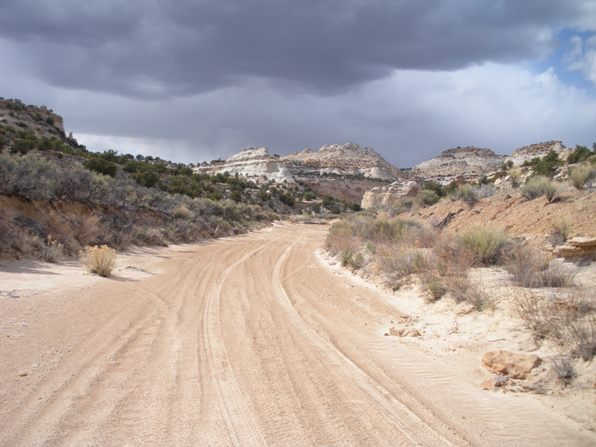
[
  {"x": 516, "y": 366},
  {"x": 577, "y": 247},
  {"x": 583, "y": 241}
]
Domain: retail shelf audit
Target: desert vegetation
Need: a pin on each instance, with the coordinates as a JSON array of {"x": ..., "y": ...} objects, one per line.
[
  {"x": 99, "y": 260},
  {"x": 59, "y": 198},
  {"x": 543, "y": 293}
]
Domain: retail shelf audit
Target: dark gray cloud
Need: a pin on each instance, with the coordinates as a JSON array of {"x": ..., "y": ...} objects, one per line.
[
  {"x": 194, "y": 80},
  {"x": 157, "y": 48}
]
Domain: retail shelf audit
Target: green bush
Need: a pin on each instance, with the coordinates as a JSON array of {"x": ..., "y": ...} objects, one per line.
[
  {"x": 580, "y": 154},
  {"x": 427, "y": 197},
  {"x": 546, "y": 166},
  {"x": 538, "y": 186},
  {"x": 102, "y": 166}
]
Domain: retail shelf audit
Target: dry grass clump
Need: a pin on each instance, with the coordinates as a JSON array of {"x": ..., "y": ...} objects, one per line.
[
  {"x": 538, "y": 186},
  {"x": 354, "y": 261},
  {"x": 563, "y": 369},
  {"x": 582, "y": 176},
  {"x": 52, "y": 250},
  {"x": 531, "y": 268},
  {"x": 398, "y": 261},
  {"x": 434, "y": 285},
  {"x": 568, "y": 321},
  {"x": 557, "y": 274},
  {"x": 341, "y": 238},
  {"x": 467, "y": 193},
  {"x": 150, "y": 236},
  {"x": 525, "y": 264},
  {"x": 486, "y": 244},
  {"x": 182, "y": 212},
  {"x": 100, "y": 260},
  {"x": 462, "y": 289},
  {"x": 559, "y": 232}
]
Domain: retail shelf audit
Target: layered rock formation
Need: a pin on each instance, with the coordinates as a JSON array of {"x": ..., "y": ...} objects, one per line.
[
  {"x": 347, "y": 159},
  {"x": 388, "y": 196},
  {"x": 253, "y": 163},
  {"x": 526, "y": 153},
  {"x": 467, "y": 163},
  {"x": 344, "y": 171}
]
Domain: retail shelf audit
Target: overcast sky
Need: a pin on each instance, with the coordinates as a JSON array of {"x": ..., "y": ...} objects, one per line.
[{"x": 196, "y": 80}]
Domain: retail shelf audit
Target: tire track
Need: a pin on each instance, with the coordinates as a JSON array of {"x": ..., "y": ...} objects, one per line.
[{"x": 415, "y": 430}]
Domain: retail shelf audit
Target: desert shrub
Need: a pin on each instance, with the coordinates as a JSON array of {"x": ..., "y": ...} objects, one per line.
[
  {"x": 354, "y": 261},
  {"x": 434, "y": 285},
  {"x": 486, "y": 244},
  {"x": 100, "y": 260},
  {"x": 182, "y": 212},
  {"x": 538, "y": 186},
  {"x": 557, "y": 274},
  {"x": 467, "y": 193},
  {"x": 340, "y": 237},
  {"x": 451, "y": 257},
  {"x": 404, "y": 204},
  {"x": 149, "y": 236},
  {"x": 581, "y": 176},
  {"x": 52, "y": 250},
  {"x": 559, "y": 232},
  {"x": 485, "y": 190},
  {"x": 87, "y": 229},
  {"x": 462, "y": 289},
  {"x": 525, "y": 264},
  {"x": 546, "y": 166},
  {"x": 530, "y": 268},
  {"x": 437, "y": 188},
  {"x": 580, "y": 154},
  {"x": 530, "y": 308},
  {"x": 28, "y": 176},
  {"x": 102, "y": 166},
  {"x": 563, "y": 369},
  {"x": 397, "y": 262},
  {"x": 427, "y": 197},
  {"x": 568, "y": 321}
]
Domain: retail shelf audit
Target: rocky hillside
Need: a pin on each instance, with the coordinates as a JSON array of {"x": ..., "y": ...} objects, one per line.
[
  {"x": 524, "y": 154},
  {"x": 254, "y": 163},
  {"x": 21, "y": 124},
  {"x": 347, "y": 159},
  {"x": 344, "y": 171},
  {"x": 464, "y": 162}
]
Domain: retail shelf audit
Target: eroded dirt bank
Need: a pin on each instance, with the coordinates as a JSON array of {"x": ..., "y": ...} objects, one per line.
[{"x": 250, "y": 340}]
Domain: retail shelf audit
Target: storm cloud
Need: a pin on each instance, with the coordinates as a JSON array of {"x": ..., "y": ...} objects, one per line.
[{"x": 192, "y": 79}]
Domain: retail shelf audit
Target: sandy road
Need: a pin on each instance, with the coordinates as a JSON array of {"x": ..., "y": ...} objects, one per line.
[{"x": 244, "y": 341}]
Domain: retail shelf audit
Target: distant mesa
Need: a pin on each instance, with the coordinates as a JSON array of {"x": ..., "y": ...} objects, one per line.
[
  {"x": 465, "y": 162},
  {"x": 343, "y": 160}
]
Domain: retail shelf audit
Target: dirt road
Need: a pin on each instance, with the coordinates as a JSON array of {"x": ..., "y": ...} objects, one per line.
[{"x": 245, "y": 341}]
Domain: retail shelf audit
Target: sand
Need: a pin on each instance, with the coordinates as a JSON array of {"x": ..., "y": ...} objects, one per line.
[{"x": 250, "y": 340}]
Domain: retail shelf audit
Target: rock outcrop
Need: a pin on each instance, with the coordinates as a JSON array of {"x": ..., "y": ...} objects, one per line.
[
  {"x": 389, "y": 196},
  {"x": 253, "y": 163},
  {"x": 467, "y": 163},
  {"x": 577, "y": 247},
  {"x": 515, "y": 366},
  {"x": 538, "y": 150},
  {"x": 344, "y": 171},
  {"x": 347, "y": 159},
  {"x": 40, "y": 121}
]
